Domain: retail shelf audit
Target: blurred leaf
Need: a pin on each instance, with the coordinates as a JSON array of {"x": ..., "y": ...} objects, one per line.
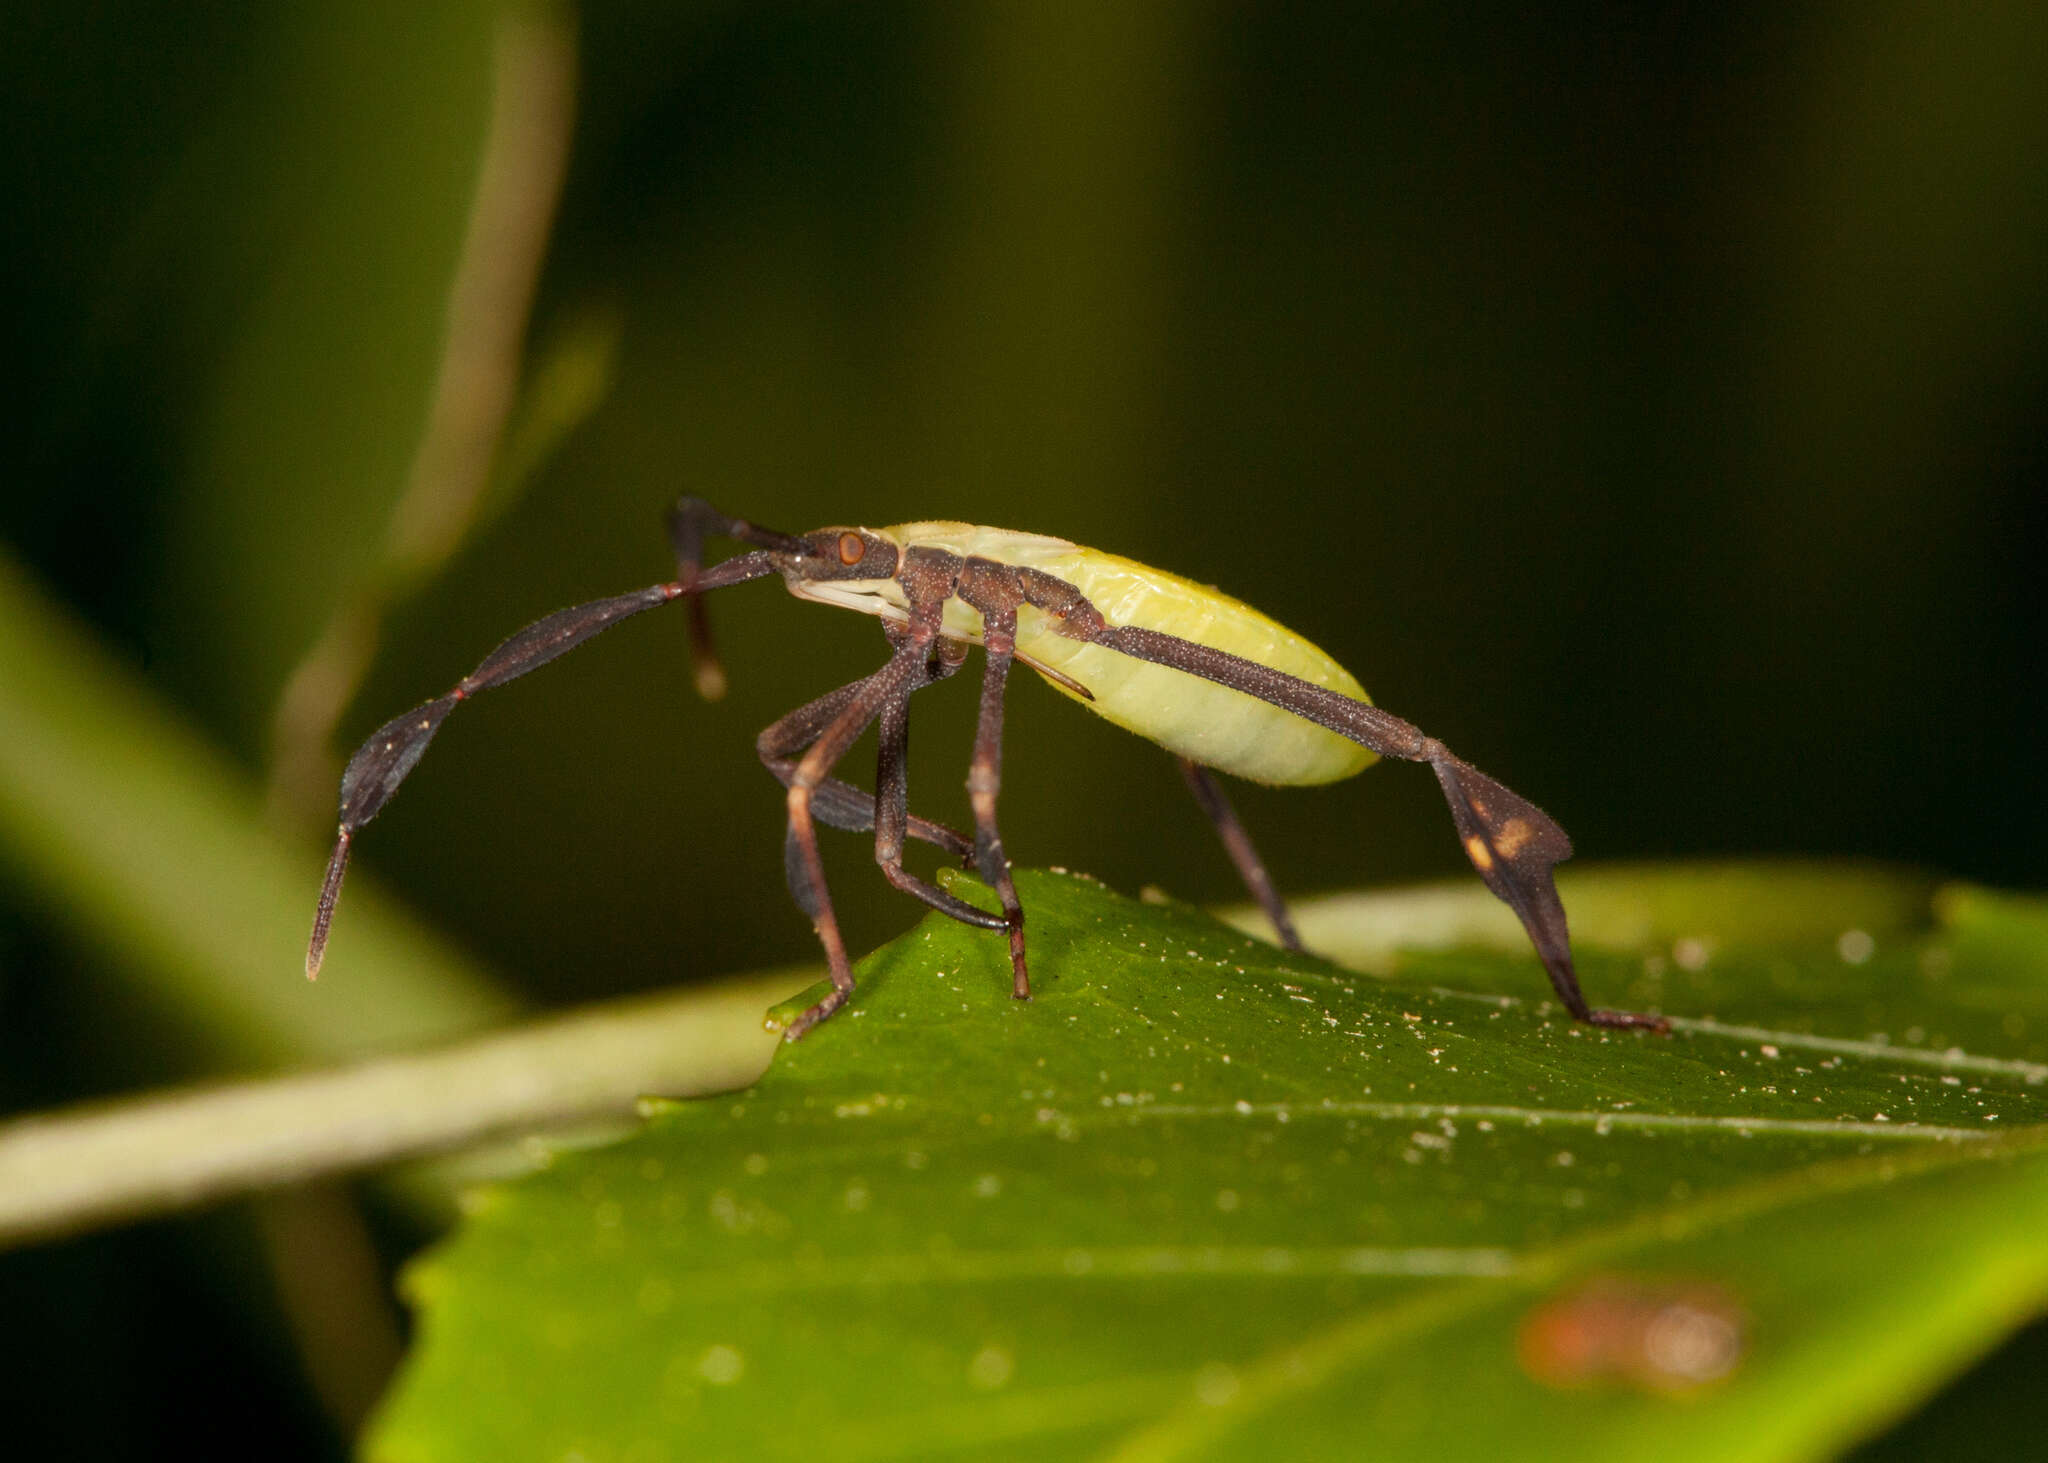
[
  {"x": 1624, "y": 906},
  {"x": 1204, "y": 1198},
  {"x": 329, "y": 206}
]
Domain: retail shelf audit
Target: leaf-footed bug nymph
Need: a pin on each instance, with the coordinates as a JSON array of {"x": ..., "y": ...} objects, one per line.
[{"x": 1216, "y": 683}]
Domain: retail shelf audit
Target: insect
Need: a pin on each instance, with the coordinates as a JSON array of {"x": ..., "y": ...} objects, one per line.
[{"x": 1219, "y": 685}]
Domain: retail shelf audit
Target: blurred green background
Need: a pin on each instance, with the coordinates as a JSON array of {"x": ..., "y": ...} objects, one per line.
[{"x": 1650, "y": 402}]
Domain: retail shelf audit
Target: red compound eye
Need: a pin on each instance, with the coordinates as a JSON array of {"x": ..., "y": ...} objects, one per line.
[{"x": 852, "y": 548}]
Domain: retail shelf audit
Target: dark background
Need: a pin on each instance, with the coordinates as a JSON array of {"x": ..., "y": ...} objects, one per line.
[{"x": 1648, "y": 401}]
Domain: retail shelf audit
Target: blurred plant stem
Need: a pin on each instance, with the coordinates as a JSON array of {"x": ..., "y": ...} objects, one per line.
[
  {"x": 331, "y": 1291},
  {"x": 468, "y": 460},
  {"x": 64, "y": 1172}
]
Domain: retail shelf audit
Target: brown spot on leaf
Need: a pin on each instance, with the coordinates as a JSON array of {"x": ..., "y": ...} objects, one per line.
[{"x": 1659, "y": 1336}]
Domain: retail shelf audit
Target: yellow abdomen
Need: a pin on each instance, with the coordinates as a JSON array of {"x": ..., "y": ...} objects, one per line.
[{"x": 1186, "y": 714}]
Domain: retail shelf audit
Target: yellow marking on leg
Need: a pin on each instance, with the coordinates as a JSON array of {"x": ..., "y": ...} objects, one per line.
[{"x": 1479, "y": 853}]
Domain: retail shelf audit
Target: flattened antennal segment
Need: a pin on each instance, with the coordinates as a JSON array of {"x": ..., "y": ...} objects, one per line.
[
  {"x": 384, "y": 760},
  {"x": 330, "y": 892},
  {"x": 390, "y": 753},
  {"x": 373, "y": 775},
  {"x": 558, "y": 634},
  {"x": 1514, "y": 845}
]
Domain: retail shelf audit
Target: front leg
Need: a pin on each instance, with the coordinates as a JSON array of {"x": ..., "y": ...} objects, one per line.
[
  {"x": 840, "y": 804},
  {"x": 802, "y": 861},
  {"x": 803, "y": 864},
  {"x": 892, "y": 809}
]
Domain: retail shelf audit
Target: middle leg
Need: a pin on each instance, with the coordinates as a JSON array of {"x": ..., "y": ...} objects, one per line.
[
  {"x": 985, "y": 780},
  {"x": 839, "y": 804},
  {"x": 802, "y": 862},
  {"x": 892, "y": 802},
  {"x": 1238, "y": 844}
]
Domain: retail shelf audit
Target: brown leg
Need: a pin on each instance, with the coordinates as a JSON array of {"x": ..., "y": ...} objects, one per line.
[
  {"x": 985, "y": 780},
  {"x": 802, "y": 862},
  {"x": 1238, "y": 844},
  {"x": 839, "y": 804},
  {"x": 892, "y": 820}
]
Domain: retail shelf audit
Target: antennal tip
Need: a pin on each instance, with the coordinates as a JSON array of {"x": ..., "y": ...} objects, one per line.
[
  {"x": 330, "y": 894},
  {"x": 711, "y": 682}
]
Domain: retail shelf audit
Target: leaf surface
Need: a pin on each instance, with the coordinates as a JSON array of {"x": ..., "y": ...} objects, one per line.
[{"x": 1205, "y": 1199}]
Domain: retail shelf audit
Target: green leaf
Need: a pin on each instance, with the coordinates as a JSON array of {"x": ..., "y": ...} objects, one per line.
[{"x": 1202, "y": 1198}]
